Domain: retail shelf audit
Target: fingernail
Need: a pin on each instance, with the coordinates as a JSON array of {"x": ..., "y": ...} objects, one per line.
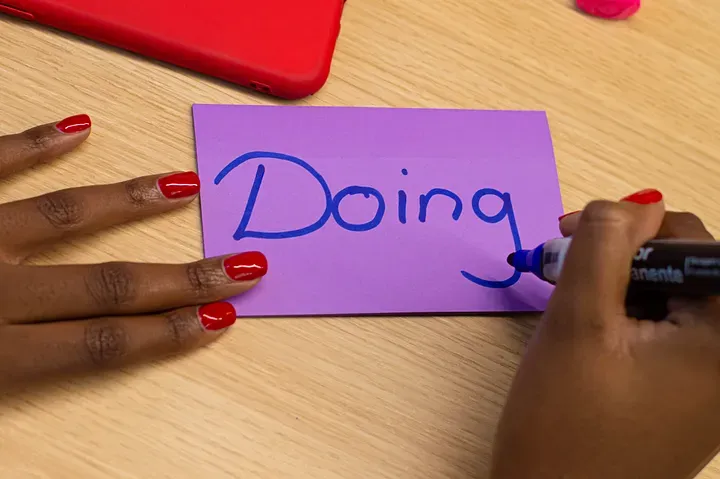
[
  {"x": 74, "y": 124},
  {"x": 568, "y": 214},
  {"x": 217, "y": 316},
  {"x": 246, "y": 266},
  {"x": 180, "y": 185},
  {"x": 645, "y": 197}
]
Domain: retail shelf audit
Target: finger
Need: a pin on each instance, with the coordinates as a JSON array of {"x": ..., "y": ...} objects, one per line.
[
  {"x": 646, "y": 305},
  {"x": 42, "y": 143},
  {"x": 687, "y": 312},
  {"x": 29, "y": 225},
  {"x": 42, "y": 293},
  {"x": 596, "y": 272},
  {"x": 568, "y": 223},
  {"x": 682, "y": 225},
  {"x": 689, "y": 306},
  {"x": 674, "y": 225},
  {"x": 34, "y": 351}
]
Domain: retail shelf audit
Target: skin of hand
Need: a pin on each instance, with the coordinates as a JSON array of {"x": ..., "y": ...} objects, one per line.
[
  {"x": 600, "y": 394},
  {"x": 80, "y": 318}
]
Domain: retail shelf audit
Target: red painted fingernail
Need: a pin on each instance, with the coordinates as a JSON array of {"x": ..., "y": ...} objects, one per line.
[
  {"x": 217, "y": 316},
  {"x": 246, "y": 266},
  {"x": 180, "y": 185},
  {"x": 567, "y": 214},
  {"x": 74, "y": 124},
  {"x": 645, "y": 197}
]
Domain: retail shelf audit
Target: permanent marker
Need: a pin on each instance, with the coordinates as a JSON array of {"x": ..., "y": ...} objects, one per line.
[{"x": 677, "y": 267}]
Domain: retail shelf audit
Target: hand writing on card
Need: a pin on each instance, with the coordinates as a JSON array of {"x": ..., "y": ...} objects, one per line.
[
  {"x": 600, "y": 394},
  {"x": 67, "y": 319}
]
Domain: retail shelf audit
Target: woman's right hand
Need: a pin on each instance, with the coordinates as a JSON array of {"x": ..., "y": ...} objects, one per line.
[{"x": 600, "y": 394}]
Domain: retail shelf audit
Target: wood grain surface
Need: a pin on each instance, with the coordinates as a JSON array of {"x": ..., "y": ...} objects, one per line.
[{"x": 631, "y": 105}]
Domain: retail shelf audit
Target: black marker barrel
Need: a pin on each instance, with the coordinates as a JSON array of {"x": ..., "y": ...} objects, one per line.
[{"x": 677, "y": 267}]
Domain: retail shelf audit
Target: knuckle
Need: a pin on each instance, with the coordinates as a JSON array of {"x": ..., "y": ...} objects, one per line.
[
  {"x": 111, "y": 285},
  {"x": 38, "y": 139},
  {"x": 203, "y": 278},
  {"x": 106, "y": 342},
  {"x": 138, "y": 193},
  {"x": 182, "y": 330},
  {"x": 61, "y": 209},
  {"x": 606, "y": 214}
]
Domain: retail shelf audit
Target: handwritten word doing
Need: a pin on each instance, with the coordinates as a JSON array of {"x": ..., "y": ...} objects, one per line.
[{"x": 332, "y": 208}]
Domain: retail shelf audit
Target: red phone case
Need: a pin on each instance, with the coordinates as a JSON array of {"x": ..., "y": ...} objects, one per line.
[{"x": 280, "y": 47}]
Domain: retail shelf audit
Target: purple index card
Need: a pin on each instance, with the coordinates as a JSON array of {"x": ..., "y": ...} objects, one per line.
[{"x": 378, "y": 210}]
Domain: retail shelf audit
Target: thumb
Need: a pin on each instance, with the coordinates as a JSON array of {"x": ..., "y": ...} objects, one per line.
[{"x": 596, "y": 272}]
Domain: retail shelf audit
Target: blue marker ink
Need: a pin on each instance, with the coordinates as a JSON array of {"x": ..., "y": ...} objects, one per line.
[
  {"x": 358, "y": 190},
  {"x": 505, "y": 211},
  {"x": 402, "y": 202},
  {"x": 332, "y": 208},
  {"x": 242, "y": 231},
  {"x": 425, "y": 199}
]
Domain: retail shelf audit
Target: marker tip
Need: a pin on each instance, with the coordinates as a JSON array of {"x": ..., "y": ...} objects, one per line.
[{"x": 511, "y": 259}]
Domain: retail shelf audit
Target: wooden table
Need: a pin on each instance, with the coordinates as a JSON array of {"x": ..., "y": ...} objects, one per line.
[{"x": 631, "y": 105}]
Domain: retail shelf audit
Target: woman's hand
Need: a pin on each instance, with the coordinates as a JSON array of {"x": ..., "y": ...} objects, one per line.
[
  {"x": 66, "y": 319},
  {"x": 603, "y": 395}
]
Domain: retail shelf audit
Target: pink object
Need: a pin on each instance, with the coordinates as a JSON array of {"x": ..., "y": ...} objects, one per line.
[{"x": 610, "y": 9}]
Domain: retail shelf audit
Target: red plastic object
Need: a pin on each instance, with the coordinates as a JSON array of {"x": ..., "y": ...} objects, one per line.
[
  {"x": 280, "y": 47},
  {"x": 15, "y": 12},
  {"x": 610, "y": 9}
]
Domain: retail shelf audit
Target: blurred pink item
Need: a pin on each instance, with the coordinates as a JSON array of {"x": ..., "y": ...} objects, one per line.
[{"x": 610, "y": 9}]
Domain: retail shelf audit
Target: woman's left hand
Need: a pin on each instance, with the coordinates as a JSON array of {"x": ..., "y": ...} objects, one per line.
[{"x": 71, "y": 318}]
